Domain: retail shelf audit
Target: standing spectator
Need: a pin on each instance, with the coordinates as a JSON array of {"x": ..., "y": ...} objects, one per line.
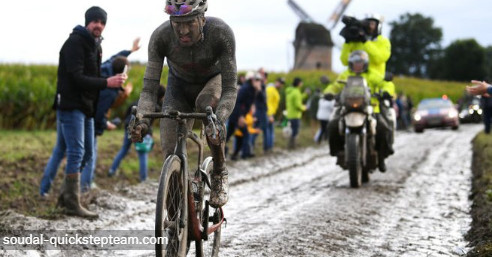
[
  {"x": 273, "y": 101},
  {"x": 245, "y": 99},
  {"x": 241, "y": 145},
  {"x": 486, "y": 105},
  {"x": 313, "y": 104},
  {"x": 294, "y": 109},
  {"x": 401, "y": 102},
  {"x": 326, "y": 106},
  {"x": 127, "y": 142},
  {"x": 108, "y": 97},
  {"x": 261, "y": 118},
  {"x": 78, "y": 87}
]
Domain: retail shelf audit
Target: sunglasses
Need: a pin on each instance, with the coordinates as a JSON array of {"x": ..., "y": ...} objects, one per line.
[{"x": 181, "y": 10}]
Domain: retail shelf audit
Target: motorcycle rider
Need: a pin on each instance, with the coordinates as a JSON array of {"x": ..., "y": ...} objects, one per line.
[
  {"x": 359, "y": 66},
  {"x": 200, "y": 52},
  {"x": 377, "y": 46}
]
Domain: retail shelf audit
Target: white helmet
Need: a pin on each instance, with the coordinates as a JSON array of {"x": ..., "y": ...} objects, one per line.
[
  {"x": 358, "y": 56},
  {"x": 185, "y": 8},
  {"x": 378, "y": 18}
]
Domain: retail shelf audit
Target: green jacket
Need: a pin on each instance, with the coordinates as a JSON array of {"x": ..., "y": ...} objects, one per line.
[
  {"x": 374, "y": 79},
  {"x": 379, "y": 51},
  {"x": 293, "y": 103}
]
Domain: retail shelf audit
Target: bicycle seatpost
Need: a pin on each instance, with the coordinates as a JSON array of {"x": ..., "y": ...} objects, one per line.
[{"x": 211, "y": 117}]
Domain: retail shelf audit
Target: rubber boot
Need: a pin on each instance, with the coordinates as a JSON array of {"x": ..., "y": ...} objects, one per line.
[
  {"x": 292, "y": 143},
  {"x": 219, "y": 193},
  {"x": 69, "y": 198}
]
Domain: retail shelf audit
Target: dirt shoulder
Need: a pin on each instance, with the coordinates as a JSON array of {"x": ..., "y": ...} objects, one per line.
[{"x": 480, "y": 234}]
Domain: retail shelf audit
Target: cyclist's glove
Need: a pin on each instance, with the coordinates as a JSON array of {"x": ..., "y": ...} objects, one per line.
[{"x": 215, "y": 131}]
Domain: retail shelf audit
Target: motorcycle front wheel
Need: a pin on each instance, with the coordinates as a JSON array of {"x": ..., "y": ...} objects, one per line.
[{"x": 354, "y": 160}]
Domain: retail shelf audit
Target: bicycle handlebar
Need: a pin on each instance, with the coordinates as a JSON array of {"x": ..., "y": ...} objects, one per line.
[{"x": 176, "y": 115}]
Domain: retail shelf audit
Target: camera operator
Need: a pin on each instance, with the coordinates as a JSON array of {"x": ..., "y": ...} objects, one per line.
[{"x": 366, "y": 35}]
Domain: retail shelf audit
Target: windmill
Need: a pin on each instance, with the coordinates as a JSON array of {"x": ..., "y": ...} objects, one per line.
[{"x": 313, "y": 44}]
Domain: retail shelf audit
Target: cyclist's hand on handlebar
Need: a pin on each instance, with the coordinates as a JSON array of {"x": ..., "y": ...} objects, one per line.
[
  {"x": 216, "y": 132},
  {"x": 138, "y": 132}
]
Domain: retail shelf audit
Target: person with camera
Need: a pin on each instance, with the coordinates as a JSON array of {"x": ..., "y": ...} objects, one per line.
[
  {"x": 366, "y": 35},
  {"x": 358, "y": 63}
]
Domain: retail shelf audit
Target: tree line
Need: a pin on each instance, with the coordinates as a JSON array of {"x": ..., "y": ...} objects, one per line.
[{"x": 417, "y": 51}]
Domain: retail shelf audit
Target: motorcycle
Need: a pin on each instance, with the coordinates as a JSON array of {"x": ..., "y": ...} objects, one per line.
[{"x": 358, "y": 126}]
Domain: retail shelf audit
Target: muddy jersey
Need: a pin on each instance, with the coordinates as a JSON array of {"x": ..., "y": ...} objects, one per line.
[{"x": 190, "y": 68}]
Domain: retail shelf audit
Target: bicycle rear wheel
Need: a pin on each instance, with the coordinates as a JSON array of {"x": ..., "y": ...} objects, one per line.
[
  {"x": 212, "y": 245},
  {"x": 171, "y": 209}
]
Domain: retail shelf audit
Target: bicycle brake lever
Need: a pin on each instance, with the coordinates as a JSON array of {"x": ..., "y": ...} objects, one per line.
[{"x": 211, "y": 120}]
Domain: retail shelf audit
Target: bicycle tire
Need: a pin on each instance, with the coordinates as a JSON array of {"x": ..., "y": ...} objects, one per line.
[
  {"x": 212, "y": 245},
  {"x": 171, "y": 209}
]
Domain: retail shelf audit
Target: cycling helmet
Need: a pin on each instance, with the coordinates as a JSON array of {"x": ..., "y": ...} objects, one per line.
[
  {"x": 185, "y": 8},
  {"x": 378, "y": 18},
  {"x": 358, "y": 56}
]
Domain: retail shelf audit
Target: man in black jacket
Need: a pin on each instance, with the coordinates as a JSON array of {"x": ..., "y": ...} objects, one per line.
[{"x": 77, "y": 91}]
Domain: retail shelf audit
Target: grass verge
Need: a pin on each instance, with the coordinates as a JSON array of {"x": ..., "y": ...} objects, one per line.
[{"x": 480, "y": 234}]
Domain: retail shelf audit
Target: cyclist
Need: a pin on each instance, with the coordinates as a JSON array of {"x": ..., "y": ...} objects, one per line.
[
  {"x": 200, "y": 52},
  {"x": 359, "y": 65}
]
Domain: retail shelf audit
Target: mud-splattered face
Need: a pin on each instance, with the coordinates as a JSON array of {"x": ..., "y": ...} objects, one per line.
[{"x": 188, "y": 32}]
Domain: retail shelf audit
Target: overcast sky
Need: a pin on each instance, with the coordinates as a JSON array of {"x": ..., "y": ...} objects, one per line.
[{"x": 34, "y": 31}]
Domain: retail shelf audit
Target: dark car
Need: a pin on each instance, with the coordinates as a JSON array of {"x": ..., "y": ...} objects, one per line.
[
  {"x": 471, "y": 111},
  {"x": 435, "y": 112}
]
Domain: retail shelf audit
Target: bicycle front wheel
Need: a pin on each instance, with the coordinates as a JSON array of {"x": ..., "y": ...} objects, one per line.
[
  {"x": 211, "y": 246},
  {"x": 171, "y": 209}
]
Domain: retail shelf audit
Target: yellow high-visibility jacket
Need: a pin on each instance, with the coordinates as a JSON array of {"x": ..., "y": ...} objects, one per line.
[
  {"x": 374, "y": 79},
  {"x": 379, "y": 51}
]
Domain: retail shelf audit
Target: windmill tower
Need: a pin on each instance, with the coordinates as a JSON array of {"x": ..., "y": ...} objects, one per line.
[{"x": 313, "y": 44}]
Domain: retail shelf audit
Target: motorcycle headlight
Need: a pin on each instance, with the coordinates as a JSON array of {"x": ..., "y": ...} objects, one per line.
[{"x": 354, "y": 103}]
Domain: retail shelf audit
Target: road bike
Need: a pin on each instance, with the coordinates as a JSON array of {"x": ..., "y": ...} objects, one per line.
[{"x": 183, "y": 213}]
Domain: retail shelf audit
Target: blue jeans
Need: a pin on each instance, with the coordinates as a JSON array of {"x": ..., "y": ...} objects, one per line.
[
  {"x": 294, "y": 125},
  {"x": 270, "y": 132},
  {"x": 142, "y": 157},
  {"x": 87, "y": 175},
  {"x": 262, "y": 123},
  {"x": 75, "y": 136},
  {"x": 54, "y": 162}
]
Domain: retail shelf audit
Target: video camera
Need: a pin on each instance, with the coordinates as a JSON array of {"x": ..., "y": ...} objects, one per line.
[{"x": 354, "y": 30}]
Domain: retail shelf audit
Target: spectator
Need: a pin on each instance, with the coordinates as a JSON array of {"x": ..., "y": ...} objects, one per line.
[
  {"x": 106, "y": 96},
  {"x": 261, "y": 118},
  {"x": 127, "y": 142},
  {"x": 294, "y": 109},
  {"x": 241, "y": 145},
  {"x": 245, "y": 99},
  {"x": 273, "y": 101},
  {"x": 106, "y": 99},
  {"x": 78, "y": 87},
  {"x": 313, "y": 104},
  {"x": 325, "y": 110}
]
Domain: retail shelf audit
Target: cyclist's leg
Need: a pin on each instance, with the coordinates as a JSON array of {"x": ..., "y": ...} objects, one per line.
[
  {"x": 210, "y": 96},
  {"x": 174, "y": 99}
]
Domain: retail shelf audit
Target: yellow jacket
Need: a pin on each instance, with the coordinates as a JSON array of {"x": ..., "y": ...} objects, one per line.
[
  {"x": 250, "y": 121},
  {"x": 379, "y": 51},
  {"x": 273, "y": 100},
  {"x": 375, "y": 81}
]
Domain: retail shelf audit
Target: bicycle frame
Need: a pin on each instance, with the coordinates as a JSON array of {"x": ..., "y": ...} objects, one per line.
[{"x": 198, "y": 232}]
